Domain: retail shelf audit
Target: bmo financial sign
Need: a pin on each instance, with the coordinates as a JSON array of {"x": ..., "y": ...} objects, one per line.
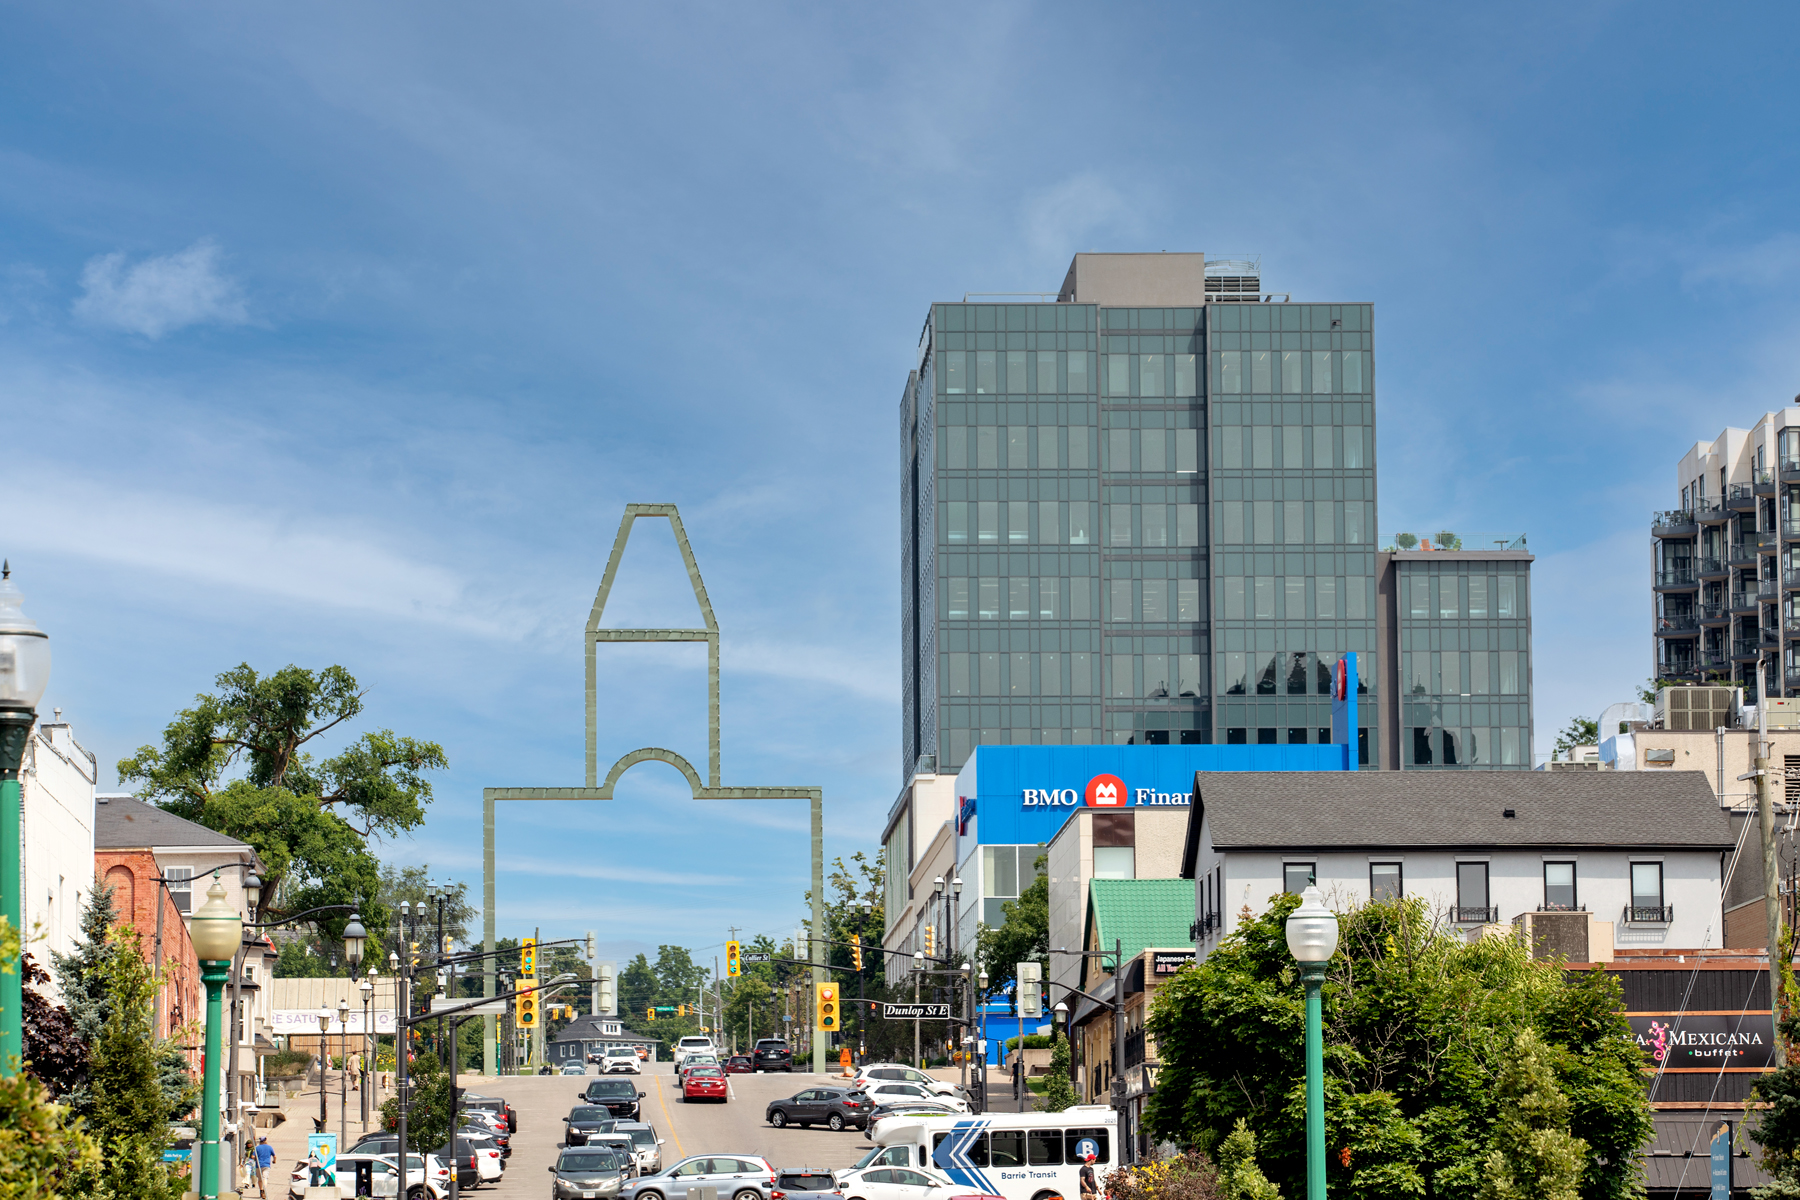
[{"x": 1102, "y": 791}]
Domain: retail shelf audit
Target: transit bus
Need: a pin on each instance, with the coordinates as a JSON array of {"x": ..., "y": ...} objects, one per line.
[{"x": 1021, "y": 1156}]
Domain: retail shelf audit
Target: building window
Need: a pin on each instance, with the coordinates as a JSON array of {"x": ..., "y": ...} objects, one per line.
[
  {"x": 1115, "y": 862},
  {"x": 1472, "y": 892},
  {"x": 1296, "y": 877},
  {"x": 1385, "y": 881},
  {"x": 1647, "y": 891},
  {"x": 181, "y": 887},
  {"x": 1005, "y": 871},
  {"x": 1559, "y": 887}
]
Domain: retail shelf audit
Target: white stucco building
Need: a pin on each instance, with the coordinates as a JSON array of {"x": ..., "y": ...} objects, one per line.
[
  {"x": 1643, "y": 855},
  {"x": 56, "y": 783}
]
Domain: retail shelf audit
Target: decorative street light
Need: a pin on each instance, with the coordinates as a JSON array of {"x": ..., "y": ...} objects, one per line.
[
  {"x": 216, "y": 932},
  {"x": 24, "y": 672},
  {"x": 367, "y": 988},
  {"x": 324, "y": 1060},
  {"x": 1312, "y": 937},
  {"x": 343, "y": 1072}
]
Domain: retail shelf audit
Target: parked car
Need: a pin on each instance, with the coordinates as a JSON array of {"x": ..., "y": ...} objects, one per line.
[
  {"x": 805, "y": 1183},
  {"x": 834, "y": 1107},
  {"x": 588, "y": 1173},
  {"x": 584, "y": 1121},
  {"x": 619, "y": 1095},
  {"x": 426, "y": 1179},
  {"x": 898, "y": 1183},
  {"x": 772, "y": 1054},
  {"x": 704, "y": 1083},
  {"x": 694, "y": 1045},
  {"x": 740, "y": 1064},
  {"x": 886, "y": 1156},
  {"x": 473, "y": 1164},
  {"x": 496, "y": 1105},
  {"x": 620, "y": 1058},
  {"x": 736, "y": 1176},
  {"x": 645, "y": 1144},
  {"x": 907, "y": 1108},
  {"x": 901, "y": 1073},
  {"x": 889, "y": 1093}
]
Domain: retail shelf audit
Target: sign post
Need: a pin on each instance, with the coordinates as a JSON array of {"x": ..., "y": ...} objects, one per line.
[{"x": 1721, "y": 1162}]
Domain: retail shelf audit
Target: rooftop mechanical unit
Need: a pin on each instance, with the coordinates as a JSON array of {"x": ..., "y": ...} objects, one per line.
[
  {"x": 1234, "y": 279},
  {"x": 1694, "y": 709}
]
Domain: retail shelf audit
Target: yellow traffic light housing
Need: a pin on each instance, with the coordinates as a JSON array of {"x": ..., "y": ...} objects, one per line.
[
  {"x": 828, "y": 1006},
  {"x": 733, "y": 959},
  {"x": 525, "y": 1010},
  {"x": 528, "y": 957},
  {"x": 856, "y": 949},
  {"x": 928, "y": 945},
  {"x": 649, "y": 1014}
]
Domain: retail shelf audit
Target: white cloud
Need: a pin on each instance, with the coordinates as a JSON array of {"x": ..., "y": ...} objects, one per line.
[
  {"x": 1061, "y": 219},
  {"x": 160, "y": 295}
]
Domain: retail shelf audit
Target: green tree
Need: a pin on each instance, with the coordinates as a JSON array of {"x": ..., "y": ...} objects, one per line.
[
  {"x": 129, "y": 1109},
  {"x": 428, "y": 1117},
  {"x": 307, "y": 818},
  {"x": 1241, "y": 1178},
  {"x": 1777, "y": 1128},
  {"x": 1059, "y": 1093},
  {"x": 1581, "y": 731},
  {"x": 44, "y": 1152},
  {"x": 1419, "y": 1029},
  {"x": 1534, "y": 1155},
  {"x": 1023, "y": 936},
  {"x": 637, "y": 989}
]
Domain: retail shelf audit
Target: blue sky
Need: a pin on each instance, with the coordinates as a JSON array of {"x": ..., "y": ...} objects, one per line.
[{"x": 343, "y": 333}]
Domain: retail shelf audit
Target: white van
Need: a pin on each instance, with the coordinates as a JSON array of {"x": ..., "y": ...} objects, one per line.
[
  {"x": 1021, "y": 1156},
  {"x": 693, "y": 1045}
]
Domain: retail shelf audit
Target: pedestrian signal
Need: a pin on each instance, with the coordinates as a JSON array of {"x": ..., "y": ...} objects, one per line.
[
  {"x": 828, "y": 1006},
  {"x": 528, "y": 957},
  {"x": 732, "y": 959},
  {"x": 856, "y": 949}
]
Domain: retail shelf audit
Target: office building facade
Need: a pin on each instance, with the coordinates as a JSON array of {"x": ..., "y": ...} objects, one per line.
[
  {"x": 1142, "y": 514},
  {"x": 1726, "y": 562}
]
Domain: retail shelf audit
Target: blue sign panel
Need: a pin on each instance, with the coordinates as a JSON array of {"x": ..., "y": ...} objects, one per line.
[{"x": 1721, "y": 1162}]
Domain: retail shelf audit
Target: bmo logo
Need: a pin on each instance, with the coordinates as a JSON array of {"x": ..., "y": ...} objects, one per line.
[{"x": 1106, "y": 791}]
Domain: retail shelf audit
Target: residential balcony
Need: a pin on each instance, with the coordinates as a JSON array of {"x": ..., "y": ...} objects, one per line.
[
  {"x": 1714, "y": 613},
  {"x": 1790, "y": 469},
  {"x": 1677, "y": 578},
  {"x": 1475, "y": 916},
  {"x": 1712, "y": 660},
  {"x": 1745, "y": 649},
  {"x": 1762, "y": 481},
  {"x": 1792, "y": 679},
  {"x": 1769, "y": 636},
  {"x": 1674, "y": 523},
  {"x": 1768, "y": 590},
  {"x": 1710, "y": 512},
  {"x": 1742, "y": 554},
  {"x": 1679, "y": 625},
  {"x": 1790, "y": 579},
  {"x": 1743, "y": 604},
  {"x": 1711, "y": 568},
  {"x": 1766, "y": 541},
  {"x": 1636, "y": 914},
  {"x": 1740, "y": 498}
]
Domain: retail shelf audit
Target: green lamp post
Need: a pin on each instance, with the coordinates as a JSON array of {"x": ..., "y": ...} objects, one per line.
[
  {"x": 217, "y": 931},
  {"x": 24, "y": 671},
  {"x": 1312, "y": 937}
]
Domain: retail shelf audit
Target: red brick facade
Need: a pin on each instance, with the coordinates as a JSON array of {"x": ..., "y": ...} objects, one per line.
[{"x": 131, "y": 875}]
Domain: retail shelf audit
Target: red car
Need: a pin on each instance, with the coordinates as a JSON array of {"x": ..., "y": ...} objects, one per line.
[
  {"x": 740, "y": 1064},
  {"x": 704, "y": 1083}
]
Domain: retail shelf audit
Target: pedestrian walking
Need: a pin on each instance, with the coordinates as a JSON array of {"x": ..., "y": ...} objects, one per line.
[{"x": 265, "y": 1158}]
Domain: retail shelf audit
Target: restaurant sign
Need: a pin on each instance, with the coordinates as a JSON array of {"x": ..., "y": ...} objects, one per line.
[{"x": 1676, "y": 1040}]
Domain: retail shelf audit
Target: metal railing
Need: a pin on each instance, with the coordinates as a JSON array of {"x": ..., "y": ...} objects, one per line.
[
  {"x": 1742, "y": 553},
  {"x": 1638, "y": 914},
  {"x": 1678, "y": 623},
  {"x": 1713, "y": 610},
  {"x": 1673, "y": 518},
  {"x": 1768, "y": 589},
  {"x": 1709, "y": 510},
  {"x": 1562, "y": 908},
  {"x": 1740, "y": 493},
  {"x": 1203, "y": 925},
  {"x": 1134, "y": 1048},
  {"x": 1745, "y": 647},
  {"x": 1742, "y": 600},
  {"x": 1709, "y": 565},
  {"x": 1483, "y": 916},
  {"x": 1678, "y": 577}
]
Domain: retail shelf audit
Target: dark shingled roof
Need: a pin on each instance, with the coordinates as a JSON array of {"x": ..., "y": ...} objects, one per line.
[
  {"x": 1391, "y": 810},
  {"x": 126, "y": 823}
]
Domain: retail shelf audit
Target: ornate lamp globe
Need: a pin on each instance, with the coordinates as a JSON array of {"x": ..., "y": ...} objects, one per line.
[
  {"x": 24, "y": 650},
  {"x": 1312, "y": 929},
  {"x": 217, "y": 929}
]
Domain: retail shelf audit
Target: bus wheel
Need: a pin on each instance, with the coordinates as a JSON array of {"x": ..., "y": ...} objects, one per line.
[{"x": 1048, "y": 1196}]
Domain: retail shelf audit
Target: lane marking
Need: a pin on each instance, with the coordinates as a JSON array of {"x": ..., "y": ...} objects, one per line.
[{"x": 668, "y": 1117}]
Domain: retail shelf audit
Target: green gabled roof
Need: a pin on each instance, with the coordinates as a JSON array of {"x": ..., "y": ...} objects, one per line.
[{"x": 1141, "y": 913}]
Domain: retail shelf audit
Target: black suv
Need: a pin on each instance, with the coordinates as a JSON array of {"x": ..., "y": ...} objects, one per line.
[
  {"x": 619, "y": 1095},
  {"x": 583, "y": 1121},
  {"x": 772, "y": 1054},
  {"x": 834, "y": 1107}
]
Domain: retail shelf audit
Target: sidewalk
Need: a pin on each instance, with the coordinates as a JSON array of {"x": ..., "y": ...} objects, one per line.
[{"x": 289, "y": 1138}]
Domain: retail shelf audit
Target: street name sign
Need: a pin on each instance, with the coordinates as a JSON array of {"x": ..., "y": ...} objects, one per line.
[{"x": 916, "y": 1012}]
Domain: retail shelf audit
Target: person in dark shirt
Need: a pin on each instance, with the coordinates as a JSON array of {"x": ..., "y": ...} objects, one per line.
[{"x": 1090, "y": 1183}]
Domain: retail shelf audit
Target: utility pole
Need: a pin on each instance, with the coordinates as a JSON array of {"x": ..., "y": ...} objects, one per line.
[{"x": 1765, "y": 811}]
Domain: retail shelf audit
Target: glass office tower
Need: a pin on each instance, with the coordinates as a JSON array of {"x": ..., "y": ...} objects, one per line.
[{"x": 1144, "y": 513}]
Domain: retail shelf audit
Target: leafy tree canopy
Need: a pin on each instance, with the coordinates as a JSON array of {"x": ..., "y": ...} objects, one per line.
[
  {"x": 1420, "y": 1030},
  {"x": 237, "y": 763},
  {"x": 1581, "y": 731}
]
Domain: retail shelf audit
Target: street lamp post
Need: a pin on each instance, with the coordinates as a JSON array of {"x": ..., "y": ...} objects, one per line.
[
  {"x": 354, "y": 937},
  {"x": 367, "y": 988},
  {"x": 217, "y": 930},
  {"x": 324, "y": 1060},
  {"x": 24, "y": 672},
  {"x": 1312, "y": 935}
]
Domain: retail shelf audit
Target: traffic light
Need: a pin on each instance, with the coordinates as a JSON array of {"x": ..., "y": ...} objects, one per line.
[
  {"x": 733, "y": 960},
  {"x": 1031, "y": 997},
  {"x": 928, "y": 946},
  {"x": 413, "y": 951},
  {"x": 828, "y": 1006},
  {"x": 681, "y": 1010},
  {"x": 607, "y": 1003},
  {"x": 528, "y": 957},
  {"x": 856, "y": 950},
  {"x": 525, "y": 1010},
  {"x": 590, "y": 945},
  {"x": 649, "y": 1014}
]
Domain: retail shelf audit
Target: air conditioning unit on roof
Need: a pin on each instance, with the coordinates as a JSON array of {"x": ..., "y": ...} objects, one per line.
[{"x": 1694, "y": 709}]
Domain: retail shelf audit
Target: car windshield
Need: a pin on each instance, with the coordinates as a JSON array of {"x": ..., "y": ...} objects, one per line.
[
  {"x": 612, "y": 1087},
  {"x": 589, "y": 1114},
  {"x": 586, "y": 1160},
  {"x": 641, "y": 1137}
]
